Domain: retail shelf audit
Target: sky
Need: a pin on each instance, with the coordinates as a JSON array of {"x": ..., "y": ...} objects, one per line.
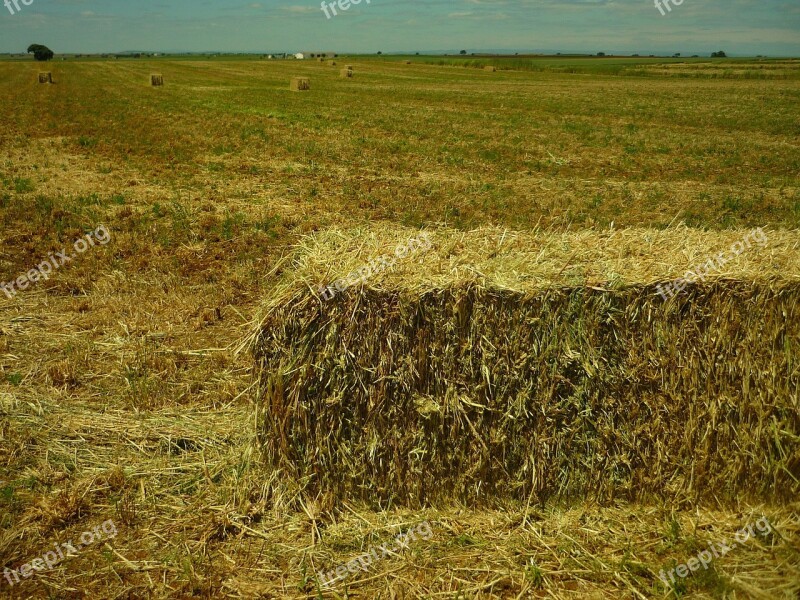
[{"x": 739, "y": 27}]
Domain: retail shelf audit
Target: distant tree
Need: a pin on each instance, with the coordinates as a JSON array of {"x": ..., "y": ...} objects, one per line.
[
  {"x": 719, "y": 54},
  {"x": 417, "y": 53},
  {"x": 601, "y": 54},
  {"x": 379, "y": 52},
  {"x": 463, "y": 52},
  {"x": 40, "y": 52}
]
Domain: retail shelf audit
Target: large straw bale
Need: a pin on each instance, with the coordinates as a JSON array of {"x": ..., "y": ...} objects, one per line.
[{"x": 530, "y": 366}]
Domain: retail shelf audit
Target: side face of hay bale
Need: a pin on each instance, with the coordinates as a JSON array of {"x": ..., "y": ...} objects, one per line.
[
  {"x": 490, "y": 69},
  {"x": 300, "y": 84},
  {"x": 345, "y": 73},
  {"x": 474, "y": 394},
  {"x": 45, "y": 77},
  {"x": 156, "y": 80}
]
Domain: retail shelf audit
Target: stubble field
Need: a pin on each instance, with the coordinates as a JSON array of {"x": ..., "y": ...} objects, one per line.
[{"x": 123, "y": 396}]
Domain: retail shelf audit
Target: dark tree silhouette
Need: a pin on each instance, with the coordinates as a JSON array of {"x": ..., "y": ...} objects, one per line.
[{"x": 40, "y": 52}]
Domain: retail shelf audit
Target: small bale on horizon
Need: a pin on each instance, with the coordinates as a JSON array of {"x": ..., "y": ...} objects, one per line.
[
  {"x": 300, "y": 84},
  {"x": 45, "y": 77},
  {"x": 156, "y": 79}
]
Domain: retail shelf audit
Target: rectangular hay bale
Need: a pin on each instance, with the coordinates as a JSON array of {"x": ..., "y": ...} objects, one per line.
[
  {"x": 300, "y": 84},
  {"x": 156, "y": 80},
  {"x": 476, "y": 393},
  {"x": 45, "y": 77}
]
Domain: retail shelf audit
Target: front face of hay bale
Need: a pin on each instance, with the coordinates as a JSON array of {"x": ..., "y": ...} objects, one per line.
[
  {"x": 473, "y": 394},
  {"x": 156, "y": 80},
  {"x": 490, "y": 69},
  {"x": 45, "y": 77},
  {"x": 300, "y": 84},
  {"x": 345, "y": 73}
]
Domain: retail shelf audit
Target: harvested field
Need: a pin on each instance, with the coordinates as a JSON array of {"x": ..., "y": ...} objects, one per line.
[{"x": 556, "y": 204}]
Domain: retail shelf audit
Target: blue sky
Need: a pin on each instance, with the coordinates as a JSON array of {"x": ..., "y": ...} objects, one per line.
[{"x": 743, "y": 27}]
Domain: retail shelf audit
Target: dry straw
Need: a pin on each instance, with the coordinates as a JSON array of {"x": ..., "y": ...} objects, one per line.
[
  {"x": 527, "y": 366},
  {"x": 156, "y": 80},
  {"x": 300, "y": 84},
  {"x": 45, "y": 77},
  {"x": 345, "y": 73},
  {"x": 490, "y": 68}
]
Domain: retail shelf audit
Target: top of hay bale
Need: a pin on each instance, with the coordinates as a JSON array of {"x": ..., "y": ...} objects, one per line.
[{"x": 532, "y": 261}]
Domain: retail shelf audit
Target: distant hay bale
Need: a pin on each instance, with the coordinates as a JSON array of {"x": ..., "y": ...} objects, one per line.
[
  {"x": 321, "y": 59},
  {"x": 156, "y": 79},
  {"x": 344, "y": 73},
  {"x": 333, "y": 63},
  {"x": 349, "y": 67},
  {"x": 300, "y": 84},
  {"x": 533, "y": 366},
  {"x": 408, "y": 62},
  {"x": 45, "y": 77},
  {"x": 490, "y": 68}
]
